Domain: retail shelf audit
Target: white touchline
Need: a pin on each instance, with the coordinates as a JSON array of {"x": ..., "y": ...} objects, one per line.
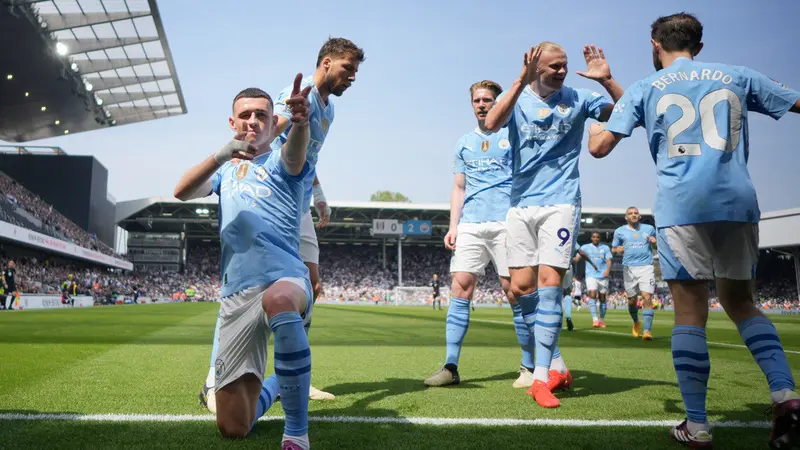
[
  {"x": 719, "y": 344},
  {"x": 488, "y": 422}
]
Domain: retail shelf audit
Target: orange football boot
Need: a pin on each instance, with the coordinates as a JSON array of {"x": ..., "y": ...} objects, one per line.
[{"x": 542, "y": 394}]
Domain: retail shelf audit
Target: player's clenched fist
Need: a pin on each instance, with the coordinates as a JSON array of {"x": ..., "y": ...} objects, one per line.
[
  {"x": 298, "y": 104},
  {"x": 237, "y": 148}
]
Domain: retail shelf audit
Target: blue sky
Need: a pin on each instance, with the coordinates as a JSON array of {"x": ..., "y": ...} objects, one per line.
[{"x": 395, "y": 128}]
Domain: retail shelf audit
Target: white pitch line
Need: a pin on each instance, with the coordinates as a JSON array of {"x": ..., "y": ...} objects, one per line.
[
  {"x": 487, "y": 422},
  {"x": 617, "y": 333}
]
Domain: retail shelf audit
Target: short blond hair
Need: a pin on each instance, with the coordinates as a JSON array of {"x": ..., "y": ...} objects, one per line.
[
  {"x": 485, "y": 84},
  {"x": 547, "y": 45}
]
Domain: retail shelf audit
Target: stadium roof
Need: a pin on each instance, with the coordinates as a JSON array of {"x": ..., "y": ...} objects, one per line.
[
  {"x": 77, "y": 65},
  {"x": 780, "y": 229},
  {"x": 350, "y": 222},
  {"x": 131, "y": 207}
]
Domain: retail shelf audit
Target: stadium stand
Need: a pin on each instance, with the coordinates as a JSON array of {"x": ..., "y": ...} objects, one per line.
[
  {"x": 23, "y": 208},
  {"x": 351, "y": 273}
]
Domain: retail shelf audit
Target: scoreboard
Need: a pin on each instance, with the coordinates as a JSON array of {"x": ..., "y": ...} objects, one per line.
[{"x": 393, "y": 227}]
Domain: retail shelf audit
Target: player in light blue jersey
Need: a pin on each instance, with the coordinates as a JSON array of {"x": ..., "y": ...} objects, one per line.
[
  {"x": 596, "y": 276},
  {"x": 545, "y": 122},
  {"x": 706, "y": 211},
  {"x": 337, "y": 64},
  {"x": 634, "y": 242},
  {"x": 265, "y": 286},
  {"x": 477, "y": 235}
]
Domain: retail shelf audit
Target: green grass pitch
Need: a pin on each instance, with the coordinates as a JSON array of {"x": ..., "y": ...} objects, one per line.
[{"x": 153, "y": 360}]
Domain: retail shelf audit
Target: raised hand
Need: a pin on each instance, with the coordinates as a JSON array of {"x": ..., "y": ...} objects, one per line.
[
  {"x": 530, "y": 62},
  {"x": 298, "y": 102},
  {"x": 596, "y": 64},
  {"x": 596, "y": 128},
  {"x": 237, "y": 148}
]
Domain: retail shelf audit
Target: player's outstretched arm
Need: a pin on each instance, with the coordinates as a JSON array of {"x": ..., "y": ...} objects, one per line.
[
  {"x": 294, "y": 150},
  {"x": 196, "y": 182},
  {"x": 501, "y": 112},
  {"x": 602, "y": 141},
  {"x": 796, "y": 108},
  {"x": 597, "y": 69},
  {"x": 456, "y": 205}
]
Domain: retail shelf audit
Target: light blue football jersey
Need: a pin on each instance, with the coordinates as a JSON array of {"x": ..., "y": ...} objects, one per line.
[
  {"x": 260, "y": 211},
  {"x": 695, "y": 114},
  {"x": 546, "y": 137},
  {"x": 485, "y": 161},
  {"x": 636, "y": 243},
  {"x": 320, "y": 120},
  {"x": 599, "y": 254}
]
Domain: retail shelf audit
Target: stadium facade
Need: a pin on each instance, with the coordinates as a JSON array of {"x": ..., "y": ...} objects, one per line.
[
  {"x": 161, "y": 229},
  {"x": 70, "y": 67}
]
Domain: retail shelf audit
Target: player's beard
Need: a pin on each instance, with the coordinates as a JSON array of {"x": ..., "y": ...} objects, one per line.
[{"x": 656, "y": 60}]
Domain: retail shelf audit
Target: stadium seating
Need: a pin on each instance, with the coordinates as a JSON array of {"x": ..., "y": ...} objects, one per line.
[
  {"x": 349, "y": 273},
  {"x": 23, "y": 208}
]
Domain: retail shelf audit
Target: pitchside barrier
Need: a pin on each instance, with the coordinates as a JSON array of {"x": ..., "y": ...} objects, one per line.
[{"x": 39, "y": 301}]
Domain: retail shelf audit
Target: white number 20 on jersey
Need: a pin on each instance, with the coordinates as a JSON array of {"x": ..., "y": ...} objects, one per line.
[{"x": 708, "y": 122}]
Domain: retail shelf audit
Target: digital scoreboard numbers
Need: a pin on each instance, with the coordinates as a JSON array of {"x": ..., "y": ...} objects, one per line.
[
  {"x": 386, "y": 227},
  {"x": 417, "y": 227},
  {"x": 393, "y": 227}
]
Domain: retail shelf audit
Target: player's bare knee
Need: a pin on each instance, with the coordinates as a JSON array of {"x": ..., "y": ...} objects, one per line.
[
  {"x": 231, "y": 428},
  {"x": 512, "y": 300},
  {"x": 279, "y": 301},
  {"x": 519, "y": 289},
  {"x": 463, "y": 285},
  {"x": 550, "y": 276}
]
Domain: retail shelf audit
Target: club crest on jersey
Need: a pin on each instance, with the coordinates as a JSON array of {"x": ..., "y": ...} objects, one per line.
[
  {"x": 485, "y": 146},
  {"x": 563, "y": 109},
  {"x": 324, "y": 125},
  {"x": 242, "y": 171},
  {"x": 261, "y": 174},
  {"x": 504, "y": 144},
  {"x": 544, "y": 112}
]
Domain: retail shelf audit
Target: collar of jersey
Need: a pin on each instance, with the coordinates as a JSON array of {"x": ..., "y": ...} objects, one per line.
[
  {"x": 536, "y": 96},
  {"x": 481, "y": 133},
  {"x": 317, "y": 94},
  {"x": 262, "y": 157}
]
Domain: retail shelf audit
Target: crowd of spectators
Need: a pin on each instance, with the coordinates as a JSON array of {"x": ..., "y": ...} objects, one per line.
[
  {"x": 349, "y": 273},
  {"x": 23, "y": 208}
]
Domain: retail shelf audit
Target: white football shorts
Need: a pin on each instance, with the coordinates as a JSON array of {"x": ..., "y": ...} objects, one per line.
[
  {"x": 244, "y": 333},
  {"x": 542, "y": 235},
  {"x": 476, "y": 245}
]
